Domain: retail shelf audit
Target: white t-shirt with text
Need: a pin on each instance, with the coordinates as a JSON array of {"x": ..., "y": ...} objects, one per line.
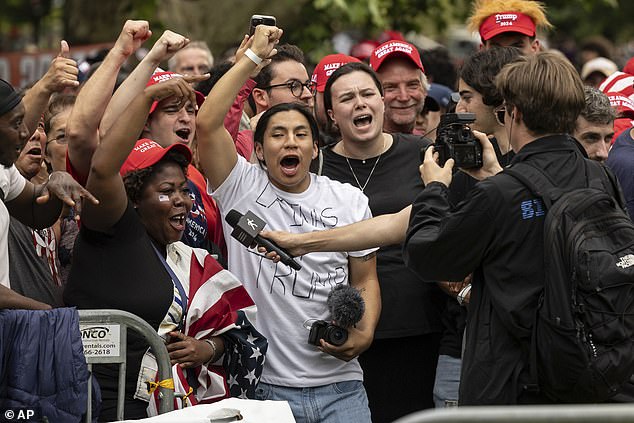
[{"x": 289, "y": 300}]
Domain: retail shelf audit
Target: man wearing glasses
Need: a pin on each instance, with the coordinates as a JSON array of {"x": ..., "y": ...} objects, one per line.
[{"x": 284, "y": 80}]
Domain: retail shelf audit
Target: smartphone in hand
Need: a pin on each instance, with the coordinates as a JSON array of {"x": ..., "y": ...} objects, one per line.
[{"x": 261, "y": 20}]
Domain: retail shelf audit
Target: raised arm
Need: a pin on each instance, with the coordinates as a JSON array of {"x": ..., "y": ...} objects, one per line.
[
  {"x": 104, "y": 179},
  {"x": 232, "y": 120},
  {"x": 82, "y": 126},
  {"x": 379, "y": 231},
  {"x": 215, "y": 145},
  {"x": 61, "y": 74},
  {"x": 168, "y": 44}
]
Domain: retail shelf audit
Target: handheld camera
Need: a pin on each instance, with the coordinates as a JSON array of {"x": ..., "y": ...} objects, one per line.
[
  {"x": 333, "y": 334},
  {"x": 454, "y": 140}
]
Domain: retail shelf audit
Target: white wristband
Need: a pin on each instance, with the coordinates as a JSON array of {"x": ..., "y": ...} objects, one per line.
[
  {"x": 254, "y": 57},
  {"x": 462, "y": 295}
]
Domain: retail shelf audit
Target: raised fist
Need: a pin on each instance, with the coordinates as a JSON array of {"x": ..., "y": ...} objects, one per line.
[
  {"x": 165, "y": 47},
  {"x": 132, "y": 36}
]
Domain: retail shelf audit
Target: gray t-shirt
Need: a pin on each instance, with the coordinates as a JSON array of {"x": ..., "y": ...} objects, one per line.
[{"x": 29, "y": 269}]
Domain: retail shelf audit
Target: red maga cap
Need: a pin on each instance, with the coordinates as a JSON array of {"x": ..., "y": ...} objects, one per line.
[
  {"x": 327, "y": 66},
  {"x": 158, "y": 77},
  {"x": 619, "y": 82},
  {"x": 147, "y": 153},
  {"x": 624, "y": 106},
  {"x": 395, "y": 48},
  {"x": 507, "y": 22}
]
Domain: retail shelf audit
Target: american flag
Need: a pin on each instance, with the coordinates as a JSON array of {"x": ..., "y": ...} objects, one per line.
[{"x": 218, "y": 304}]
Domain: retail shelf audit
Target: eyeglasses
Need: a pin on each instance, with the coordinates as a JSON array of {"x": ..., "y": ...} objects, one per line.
[
  {"x": 499, "y": 113},
  {"x": 296, "y": 87},
  {"x": 61, "y": 139}
]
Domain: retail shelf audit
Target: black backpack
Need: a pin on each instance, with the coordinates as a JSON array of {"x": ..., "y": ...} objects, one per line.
[{"x": 582, "y": 340}]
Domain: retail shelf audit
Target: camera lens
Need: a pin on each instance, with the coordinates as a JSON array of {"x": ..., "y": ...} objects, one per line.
[{"x": 336, "y": 335}]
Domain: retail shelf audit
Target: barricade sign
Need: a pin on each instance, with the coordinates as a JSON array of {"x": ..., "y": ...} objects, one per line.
[{"x": 101, "y": 340}]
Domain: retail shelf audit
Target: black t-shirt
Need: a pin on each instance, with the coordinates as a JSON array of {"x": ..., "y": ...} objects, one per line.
[
  {"x": 409, "y": 306},
  {"x": 120, "y": 270}
]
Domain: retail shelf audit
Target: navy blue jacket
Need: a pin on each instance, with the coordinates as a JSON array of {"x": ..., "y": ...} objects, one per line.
[{"x": 42, "y": 363}]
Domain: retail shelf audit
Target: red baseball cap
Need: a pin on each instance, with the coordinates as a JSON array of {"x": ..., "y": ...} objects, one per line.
[
  {"x": 506, "y": 22},
  {"x": 147, "y": 153},
  {"x": 363, "y": 49},
  {"x": 619, "y": 82},
  {"x": 158, "y": 77},
  {"x": 327, "y": 66},
  {"x": 395, "y": 48},
  {"x": 624, "y": 106}
]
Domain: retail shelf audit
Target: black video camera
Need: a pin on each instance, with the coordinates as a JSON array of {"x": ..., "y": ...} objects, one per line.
[
  {"x": 454, "y": 140},
  {"x": 333, "y": 334}
]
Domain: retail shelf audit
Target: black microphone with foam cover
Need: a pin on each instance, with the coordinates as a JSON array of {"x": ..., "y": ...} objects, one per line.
[
  {"x": 346, "y": 305},
  {"x": 247, "y": 228}
]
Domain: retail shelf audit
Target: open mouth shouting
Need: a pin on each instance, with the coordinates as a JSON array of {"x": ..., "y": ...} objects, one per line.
[
  {"x": 178, "y": 221},
  {"x": 35, "y": 153},
  {"x": 362, "y": 121},
  {"x": 290, "y": 165},
  {"x": 183, "y": 134}
]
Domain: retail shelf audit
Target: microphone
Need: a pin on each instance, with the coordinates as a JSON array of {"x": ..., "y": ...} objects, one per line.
[
  {"x": 346, "y": 305},
  {"x": 246, "y": 229}
]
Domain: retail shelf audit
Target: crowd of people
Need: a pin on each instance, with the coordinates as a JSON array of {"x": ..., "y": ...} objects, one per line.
[{"x": 115, "y": 195}]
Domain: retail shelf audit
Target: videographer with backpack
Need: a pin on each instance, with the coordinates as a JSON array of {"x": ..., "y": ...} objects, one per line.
[{"x": 549, "y": 315}]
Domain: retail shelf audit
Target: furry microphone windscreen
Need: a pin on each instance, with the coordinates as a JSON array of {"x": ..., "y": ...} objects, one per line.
[{"x": 346, "y": 305}]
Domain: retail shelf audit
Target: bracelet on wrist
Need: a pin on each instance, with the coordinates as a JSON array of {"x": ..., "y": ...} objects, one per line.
[
  {"x": 254, "y": 57},
  {"x": 462, "y": 295},
  {"x": 214, "y": 350}
]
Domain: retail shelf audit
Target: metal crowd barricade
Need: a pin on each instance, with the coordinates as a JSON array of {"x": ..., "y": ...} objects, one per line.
[
  {"x": 577, "y": 413},
  {"x": 104, "y": 334}
]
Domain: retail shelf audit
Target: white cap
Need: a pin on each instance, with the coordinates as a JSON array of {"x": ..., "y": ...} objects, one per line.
[{"x": 599, "y": 64}]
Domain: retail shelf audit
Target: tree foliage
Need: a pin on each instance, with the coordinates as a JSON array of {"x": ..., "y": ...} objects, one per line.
[
  {"x": 582, "y": 18},
  {"x": 320, "y": 19},
  {"x": 308, "y": 23}
]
